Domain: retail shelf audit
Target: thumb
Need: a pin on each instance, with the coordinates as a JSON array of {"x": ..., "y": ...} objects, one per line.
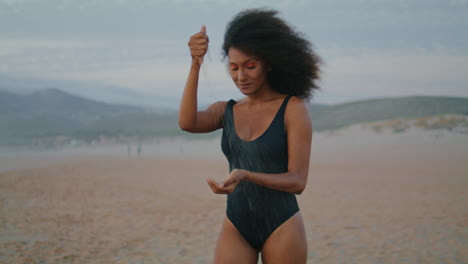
[
  {"x": 227, "y": 182},
  {"x": 203, "y": 29}
]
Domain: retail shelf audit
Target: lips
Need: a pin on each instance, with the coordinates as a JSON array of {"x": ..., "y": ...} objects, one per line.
[{"x": 244, "y": 86}]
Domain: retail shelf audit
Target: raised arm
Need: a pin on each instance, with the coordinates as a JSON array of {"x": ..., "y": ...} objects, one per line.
[
  {"x": 299, "y": 136},
  {"x": 190, "y": 119}
]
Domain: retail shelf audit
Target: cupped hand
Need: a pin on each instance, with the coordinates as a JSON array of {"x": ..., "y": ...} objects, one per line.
[
  {"x": 198, "y": 44},
  {"x": 217, "y": 187},
  {"x": 228, "y": 185}
]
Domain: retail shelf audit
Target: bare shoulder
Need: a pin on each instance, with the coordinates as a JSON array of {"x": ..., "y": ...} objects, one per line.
[
  {"x": 297, "y": 106},
  {"x": 297, "y": 110},
  {"x": 217, "y": 107},
  {"x": 210, "y": 119},
  {"x": 215, "y": 112}
]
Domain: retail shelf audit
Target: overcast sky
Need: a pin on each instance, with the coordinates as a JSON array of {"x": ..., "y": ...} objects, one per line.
[{"x": 371, "y": 48}]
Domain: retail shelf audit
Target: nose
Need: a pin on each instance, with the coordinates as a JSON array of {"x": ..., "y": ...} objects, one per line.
[{"x": 241, "y": 75}]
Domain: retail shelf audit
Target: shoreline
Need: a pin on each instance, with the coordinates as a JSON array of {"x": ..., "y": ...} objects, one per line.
[{"x": 325, "y": 145}]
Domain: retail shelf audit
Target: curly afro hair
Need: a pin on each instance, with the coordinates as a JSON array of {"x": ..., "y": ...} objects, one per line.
[{"x": 294, "y": 65}]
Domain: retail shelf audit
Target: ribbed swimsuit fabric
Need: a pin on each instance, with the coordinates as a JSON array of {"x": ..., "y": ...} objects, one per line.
[{"x": 256, "y": 211}]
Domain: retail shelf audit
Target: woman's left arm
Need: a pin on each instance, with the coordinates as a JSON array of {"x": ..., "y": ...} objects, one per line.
[{"x": 299, "y": 136}]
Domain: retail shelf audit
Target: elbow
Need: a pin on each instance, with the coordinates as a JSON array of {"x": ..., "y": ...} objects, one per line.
[
  {"x": 299, "y": 186},
  {"x": 299, "y": 190},
  {"x": 185, "y": 126}
]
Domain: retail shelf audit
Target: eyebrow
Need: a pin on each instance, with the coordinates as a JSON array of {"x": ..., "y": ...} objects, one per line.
[{"x": 248, "y": 60}]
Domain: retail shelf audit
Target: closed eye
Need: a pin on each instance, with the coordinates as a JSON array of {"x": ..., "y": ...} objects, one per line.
[{"x": 251, "y": 65}]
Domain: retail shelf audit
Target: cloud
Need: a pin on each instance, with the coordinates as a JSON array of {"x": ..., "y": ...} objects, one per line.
[
  {"x": 61, "y": 56},
  {"x": 17, "y": 46},
  {"x": 370, "y": 47},
  {"x": 388, "y": 74}
]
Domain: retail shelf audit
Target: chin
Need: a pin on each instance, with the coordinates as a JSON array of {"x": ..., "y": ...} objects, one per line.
[{"x": 245, "y": 92}]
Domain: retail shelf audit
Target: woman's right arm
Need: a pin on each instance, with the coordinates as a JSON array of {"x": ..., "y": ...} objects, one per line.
[{"x": 190, "y": 119}]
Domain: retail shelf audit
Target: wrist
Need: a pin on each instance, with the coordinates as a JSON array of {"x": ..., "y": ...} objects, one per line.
[
  {"x": 245, "y": 175},
  {"x": 196, "y": 63}
]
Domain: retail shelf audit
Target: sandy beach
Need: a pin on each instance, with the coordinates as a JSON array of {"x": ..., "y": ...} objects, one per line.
[{"x": 371, "y": 198}]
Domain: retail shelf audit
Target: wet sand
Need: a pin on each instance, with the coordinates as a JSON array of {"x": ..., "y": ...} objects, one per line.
[{"x": 370, "y": 198}]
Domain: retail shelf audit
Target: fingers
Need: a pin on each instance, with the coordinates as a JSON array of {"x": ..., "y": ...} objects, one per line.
[
  {"x": 200, "y": 35},
  {"x": 215, "y": 187},
  {"x": 236, "y": 176},
  {"x": 198, "y": 44},
  {"x": 218, "y": 188},
  {"x": 199, "y": 38},
  {"x": 214, "y": 183},
  {"x": 199, "y": 41}
]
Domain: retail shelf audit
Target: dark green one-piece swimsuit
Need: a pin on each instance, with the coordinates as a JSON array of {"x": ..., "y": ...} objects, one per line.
[{"x": 256, "y": 211}]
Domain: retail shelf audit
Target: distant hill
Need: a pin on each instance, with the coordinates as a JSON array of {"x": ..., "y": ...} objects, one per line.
[
  {"x": 51, "y": 117},
  {"x": 450, "y": 122},
  {"x": 101, "y": 92},
  {"x": 326, "y": 117},
  {"x": 53, "y": 101}
]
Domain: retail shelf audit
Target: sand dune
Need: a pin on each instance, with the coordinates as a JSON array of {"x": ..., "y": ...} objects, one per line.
[{"x": 387, "y": 199}]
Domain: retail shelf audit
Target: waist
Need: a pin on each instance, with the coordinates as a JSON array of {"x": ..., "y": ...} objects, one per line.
[{"x": 247, "y": 192}]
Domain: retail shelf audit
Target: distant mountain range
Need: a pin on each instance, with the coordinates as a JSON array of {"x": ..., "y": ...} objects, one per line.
[
  {"x": 51, "y": 117},
  {"x": 101, "y": 92},
  {"x": 54, "y": 101},
  {"x": 327, "y": 117}
]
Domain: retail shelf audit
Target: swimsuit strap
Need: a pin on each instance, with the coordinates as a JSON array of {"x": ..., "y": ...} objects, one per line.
[
  {"x": 283, "y": 105},
  {"x": 227, "y": 117}
]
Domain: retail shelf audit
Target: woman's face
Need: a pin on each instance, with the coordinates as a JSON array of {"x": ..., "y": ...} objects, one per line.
[{"x": 248, "y": 72}]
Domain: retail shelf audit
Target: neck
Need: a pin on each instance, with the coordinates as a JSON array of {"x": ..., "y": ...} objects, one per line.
[{"x": 262, "y": 95}]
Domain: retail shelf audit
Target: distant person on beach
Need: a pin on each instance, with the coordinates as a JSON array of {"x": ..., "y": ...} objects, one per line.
[
  {"x": 266, "y": 136},
  {"x": 139, "y": 149}
]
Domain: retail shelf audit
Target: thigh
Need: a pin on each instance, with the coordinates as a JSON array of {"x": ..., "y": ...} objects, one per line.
[
  {"x": 287, "y": 244},
  {"x": 231, "y": 246}
]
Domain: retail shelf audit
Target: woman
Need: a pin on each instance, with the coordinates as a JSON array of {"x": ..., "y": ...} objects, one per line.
[{"x": 266, "y": 136}]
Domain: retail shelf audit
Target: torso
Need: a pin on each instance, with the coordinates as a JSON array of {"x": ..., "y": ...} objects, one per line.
[
  {"x": 251, "y": 121},
  {"x": 261, "y": 146}
]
